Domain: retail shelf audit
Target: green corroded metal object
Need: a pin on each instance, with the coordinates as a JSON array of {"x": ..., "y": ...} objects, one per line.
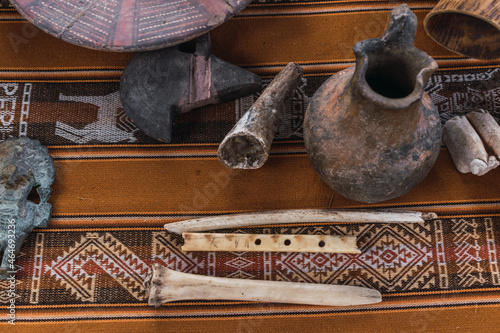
[{"x": 24, "y": 164}]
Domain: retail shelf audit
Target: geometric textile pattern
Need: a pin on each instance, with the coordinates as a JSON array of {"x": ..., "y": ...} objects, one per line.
[
  {"x": 78, "y": 268},
  {"x": 110, "y": 266}
]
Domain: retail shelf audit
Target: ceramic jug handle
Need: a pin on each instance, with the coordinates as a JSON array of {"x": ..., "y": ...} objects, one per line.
[{"x": 402, "y": 27}]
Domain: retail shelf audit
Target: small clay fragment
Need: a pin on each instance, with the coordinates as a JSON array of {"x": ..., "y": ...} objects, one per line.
[
  {"x": 247, "y": 145},
  {"x": 24, "y": 164},
  {"x": 487, "y": 128},
  {"x": 466, "y": 147},
  {"x": 157, "y": 86}
]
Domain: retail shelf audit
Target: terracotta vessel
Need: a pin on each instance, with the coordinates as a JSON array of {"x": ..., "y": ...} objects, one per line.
[
  {"x": 468, "y": 27},
  {"x": 371, "y": 131}
]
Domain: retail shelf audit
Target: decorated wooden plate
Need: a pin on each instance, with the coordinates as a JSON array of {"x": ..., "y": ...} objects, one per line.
[{"x": 128, "y": 25}]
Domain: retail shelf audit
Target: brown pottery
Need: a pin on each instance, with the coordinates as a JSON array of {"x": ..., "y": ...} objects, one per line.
[
  {"x": 371, "y": 131},
  {"x": 468, "y": 27}
]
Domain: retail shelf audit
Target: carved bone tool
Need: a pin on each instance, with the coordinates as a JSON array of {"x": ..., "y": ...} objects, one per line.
[
  {"x": 157, "y": 86},
  {"x": 166, "y": 285},
  {"x": 297, "y": 216}
]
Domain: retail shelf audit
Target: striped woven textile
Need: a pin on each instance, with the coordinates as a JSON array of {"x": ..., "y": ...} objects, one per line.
[{"x": 116, "y": 187}]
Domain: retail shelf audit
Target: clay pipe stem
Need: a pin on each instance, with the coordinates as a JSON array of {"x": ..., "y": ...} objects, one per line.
[
  {"x": 267, "y": 243},
  {"x": 297, "y": 216},
  {"x": 166, "y": 285},
  {"x": 247, "y": 145},
  {"x": 466, "y": 147},
  {"x": 487, "y": 128}
]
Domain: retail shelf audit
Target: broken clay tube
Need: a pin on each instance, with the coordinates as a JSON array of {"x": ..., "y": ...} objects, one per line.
[
  {"x": 247, "y": 145},
  {"x": 466, "y": 147},
  {"x": 487, "y": 128}
]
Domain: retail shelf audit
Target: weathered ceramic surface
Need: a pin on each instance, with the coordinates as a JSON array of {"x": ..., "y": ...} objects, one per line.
[
  {"x": 371, "y": 132},
  {"x": 248, "y": 144},
  {"x": 128, "y": 25},
  {"x": 24, "y": 163},
  {"x": 157, "y": 86},
  {"x": 468, "y": 27}
]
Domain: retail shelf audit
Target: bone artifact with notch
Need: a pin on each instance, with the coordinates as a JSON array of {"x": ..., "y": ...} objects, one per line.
[{"x": 166, "y": 285}]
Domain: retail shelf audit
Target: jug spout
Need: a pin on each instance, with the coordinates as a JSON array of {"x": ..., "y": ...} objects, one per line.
[{"x": 390, "y": 71}]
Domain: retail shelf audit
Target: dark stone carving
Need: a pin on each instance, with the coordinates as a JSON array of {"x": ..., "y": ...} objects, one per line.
[{"x": 157, "y": 86}]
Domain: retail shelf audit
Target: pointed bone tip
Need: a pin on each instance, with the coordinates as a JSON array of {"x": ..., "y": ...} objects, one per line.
[
  {"x": 370, "y": 296},
  {"x": 172, "y": 229}
]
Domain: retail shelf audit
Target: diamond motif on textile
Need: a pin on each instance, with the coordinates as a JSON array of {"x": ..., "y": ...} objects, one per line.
[
  {"x": 78, "y": 268},
  {"x": 392, "y": 258},
  {"x": 389, "y": 256},
  {"x": 239, "y": 263}
]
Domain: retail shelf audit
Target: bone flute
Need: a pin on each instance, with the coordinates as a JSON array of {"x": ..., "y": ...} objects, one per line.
[
  {"x": 248, "y": 144},
  {"x": 297, "y": 216},
  {"x": 268, "y": 243}
]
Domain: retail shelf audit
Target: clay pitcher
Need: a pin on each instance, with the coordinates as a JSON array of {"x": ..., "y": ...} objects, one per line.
[{"x": 371, "y": 131}]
